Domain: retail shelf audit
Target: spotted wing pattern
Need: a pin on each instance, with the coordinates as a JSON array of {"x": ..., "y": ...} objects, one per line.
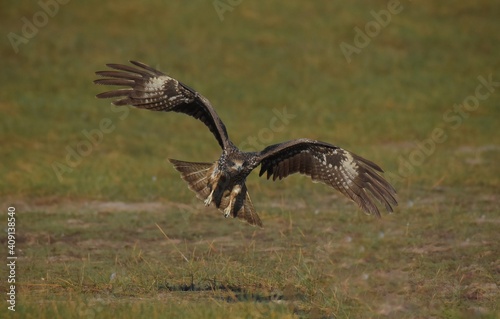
[
  {"x": 352, "y": 175},
  {"x": 151, "y": 89}
]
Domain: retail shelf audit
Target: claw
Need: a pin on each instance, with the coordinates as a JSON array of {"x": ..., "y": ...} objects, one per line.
[
  {"x": 208, "y": 201},
  {"x": 227, "y": 211}
]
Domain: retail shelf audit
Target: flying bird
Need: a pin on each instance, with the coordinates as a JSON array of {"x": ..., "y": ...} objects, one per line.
[{"x": 223, "y": 182}]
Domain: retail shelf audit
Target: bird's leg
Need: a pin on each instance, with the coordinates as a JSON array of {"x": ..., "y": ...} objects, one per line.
[
  {"x": 208, "y": 200},
  {"x": 234, "y": 192},
  {"x": 213, "y": 181},
  {"x": 227, "y": 210}
]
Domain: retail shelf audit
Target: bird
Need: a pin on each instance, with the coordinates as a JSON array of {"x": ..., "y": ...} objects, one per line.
[{"x": 222, "y": 182}]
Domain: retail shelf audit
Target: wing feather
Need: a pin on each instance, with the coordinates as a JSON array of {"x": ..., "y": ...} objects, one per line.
[
  {"x": 355, "y": 177},
  {"x": 151, "y": 89}
]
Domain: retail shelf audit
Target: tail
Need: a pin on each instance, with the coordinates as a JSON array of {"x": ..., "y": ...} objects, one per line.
[{"x": 196, "y": 175}]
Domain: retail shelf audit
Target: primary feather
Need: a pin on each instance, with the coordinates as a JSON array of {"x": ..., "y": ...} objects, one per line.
[{"x": 153, "y": 90}]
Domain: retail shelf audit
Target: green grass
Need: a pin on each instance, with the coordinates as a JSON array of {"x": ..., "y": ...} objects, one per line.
[{"x": 123, "y": 210}]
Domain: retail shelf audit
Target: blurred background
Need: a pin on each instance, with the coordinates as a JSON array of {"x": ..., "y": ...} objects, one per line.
[
  {"x": 411, "y": 85},
  {"x": 377, "y": 94}
]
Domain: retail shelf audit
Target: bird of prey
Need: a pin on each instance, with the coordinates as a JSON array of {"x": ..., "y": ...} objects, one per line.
[{"x": 223, "y": 182}]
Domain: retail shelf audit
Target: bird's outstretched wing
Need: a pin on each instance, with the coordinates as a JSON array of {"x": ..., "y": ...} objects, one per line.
[
  {"x": 352, "y": 175},
  {"x": 153, "y": 90}
]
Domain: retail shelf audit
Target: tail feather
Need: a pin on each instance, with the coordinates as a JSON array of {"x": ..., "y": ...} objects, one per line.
[{"x": 196, "y": 175}]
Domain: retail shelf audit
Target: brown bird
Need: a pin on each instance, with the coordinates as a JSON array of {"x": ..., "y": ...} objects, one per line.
[{"x": 223, "y": 181}]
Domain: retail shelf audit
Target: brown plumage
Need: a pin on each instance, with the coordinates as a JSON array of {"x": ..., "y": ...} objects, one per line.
[{"x": 223, "y": 182}]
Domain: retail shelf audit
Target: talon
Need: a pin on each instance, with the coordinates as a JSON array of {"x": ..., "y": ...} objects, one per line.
[
  {"x": 227, "y": 211},
  {"x": 208, "y": 201}
]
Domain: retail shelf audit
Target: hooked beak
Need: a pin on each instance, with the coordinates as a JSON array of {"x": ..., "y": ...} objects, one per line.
[{"x": 238, "y": 166}]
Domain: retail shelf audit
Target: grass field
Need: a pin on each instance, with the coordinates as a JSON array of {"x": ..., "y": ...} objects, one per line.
[{"x": 105, "y": 228}]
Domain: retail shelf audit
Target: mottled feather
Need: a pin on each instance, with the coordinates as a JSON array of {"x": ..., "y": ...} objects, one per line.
[
  {"x": 153, "y": 90},
  {"x": 352, "y": 175},
  {"x": 195, "y": 174}
]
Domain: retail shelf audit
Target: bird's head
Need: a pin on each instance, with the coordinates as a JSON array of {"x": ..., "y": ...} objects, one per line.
[{"x": 236, "y": 165}]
